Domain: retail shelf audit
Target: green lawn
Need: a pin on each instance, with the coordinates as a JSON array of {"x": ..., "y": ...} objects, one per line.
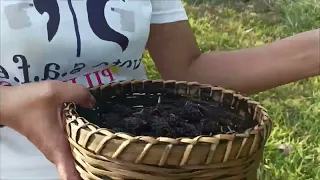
[{"x": 295, "y": 108}]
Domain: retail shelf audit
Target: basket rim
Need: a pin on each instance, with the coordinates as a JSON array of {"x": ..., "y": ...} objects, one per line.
[{"x": 75, "y": 120}]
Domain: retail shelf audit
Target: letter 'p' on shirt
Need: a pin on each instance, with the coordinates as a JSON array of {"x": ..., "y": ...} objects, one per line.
[{"x": 89, "y": 42}]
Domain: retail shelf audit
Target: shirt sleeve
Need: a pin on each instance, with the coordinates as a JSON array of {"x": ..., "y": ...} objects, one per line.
[{"x": 166, "y": 11}]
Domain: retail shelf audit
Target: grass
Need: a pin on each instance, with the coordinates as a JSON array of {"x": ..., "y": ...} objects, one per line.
[{"x": 295, "y": 108}]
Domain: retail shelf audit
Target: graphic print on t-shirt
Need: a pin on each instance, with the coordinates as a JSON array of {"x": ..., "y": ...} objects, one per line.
[
  {"x": 52, "y": 8},
  {"x": 17, "y": 16},
  {"x": 108, "y": 21},
  {"x": 96, "y": 18}
]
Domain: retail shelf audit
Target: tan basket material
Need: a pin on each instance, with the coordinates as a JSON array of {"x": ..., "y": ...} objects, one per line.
[{"x": 102, "y": 153}]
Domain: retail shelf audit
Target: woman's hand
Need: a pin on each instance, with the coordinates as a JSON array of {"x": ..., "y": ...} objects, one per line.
[{"x": 34, "y": 110}]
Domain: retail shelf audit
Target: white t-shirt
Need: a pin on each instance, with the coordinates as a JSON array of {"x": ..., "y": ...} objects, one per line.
[{"x": 90, "y": 42}]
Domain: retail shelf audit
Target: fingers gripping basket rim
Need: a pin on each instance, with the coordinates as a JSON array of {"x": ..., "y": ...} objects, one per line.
[{"x": 104, "y": 144}]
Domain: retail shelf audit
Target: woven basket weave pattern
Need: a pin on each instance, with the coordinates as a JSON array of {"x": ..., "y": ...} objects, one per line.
[{"x": 103, "y": 153}]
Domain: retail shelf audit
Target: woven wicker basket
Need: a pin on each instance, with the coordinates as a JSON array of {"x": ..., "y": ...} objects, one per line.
[{"x": 104, "y": 154}]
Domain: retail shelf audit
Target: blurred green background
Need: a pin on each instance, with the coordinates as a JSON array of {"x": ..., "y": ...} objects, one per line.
[{"x": 295, "y": 108}]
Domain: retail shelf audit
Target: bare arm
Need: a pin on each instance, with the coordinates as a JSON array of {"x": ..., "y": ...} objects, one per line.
[{"x": 248, "y": 70}]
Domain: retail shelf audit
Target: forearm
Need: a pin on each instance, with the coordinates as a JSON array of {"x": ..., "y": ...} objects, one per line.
[{"x": 257, "y": 69}]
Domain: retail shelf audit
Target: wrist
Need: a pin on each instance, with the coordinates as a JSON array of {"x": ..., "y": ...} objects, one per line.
[
  {"x": 4, "y": 111},
  {"x": 316, "y": 44},
  {"x": 310, "y": 41},
  {"x": 306, "y": 49},
  {"x": 315, "y": 48}
]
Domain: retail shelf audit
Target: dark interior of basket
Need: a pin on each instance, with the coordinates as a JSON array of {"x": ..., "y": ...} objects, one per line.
[{"x": 164, "y": 111}]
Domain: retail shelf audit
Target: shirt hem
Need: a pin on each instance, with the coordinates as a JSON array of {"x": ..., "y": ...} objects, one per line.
[{"x": 169, "y": 17}]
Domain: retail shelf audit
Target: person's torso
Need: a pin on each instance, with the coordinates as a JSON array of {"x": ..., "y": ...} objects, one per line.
[{"x": 90, "y": 42}]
